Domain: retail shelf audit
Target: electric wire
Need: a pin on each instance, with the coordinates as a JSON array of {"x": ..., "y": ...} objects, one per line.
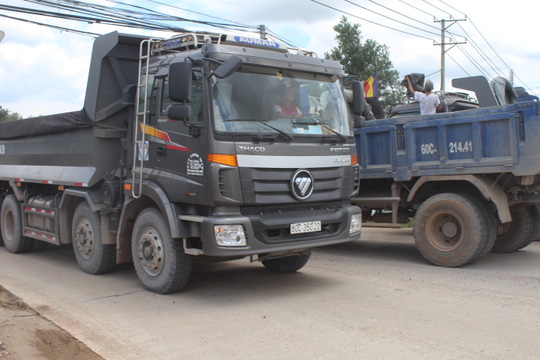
[
  {"x": 453, "y": 8},
  {"x": 459, "y": 65},
  {"x": 61, "y": 28},
  {"x": 199, "y": 13},
  {"x": 388, "y": 17},
  {"x": 441, "y": 10},
  {"x": 487, "y": 42},
  {"x": 369, "y": 21},
  {"x": 414, "y": 7}
]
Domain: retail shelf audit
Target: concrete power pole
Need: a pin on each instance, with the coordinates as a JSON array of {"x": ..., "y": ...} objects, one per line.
[{"x": 445, "y": 24}]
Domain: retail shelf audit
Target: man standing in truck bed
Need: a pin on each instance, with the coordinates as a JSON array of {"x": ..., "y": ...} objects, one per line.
[{"x": 429, "y": 102}]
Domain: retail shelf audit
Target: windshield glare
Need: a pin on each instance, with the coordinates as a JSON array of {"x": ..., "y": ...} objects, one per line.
[{"x": 290, "y": 102}]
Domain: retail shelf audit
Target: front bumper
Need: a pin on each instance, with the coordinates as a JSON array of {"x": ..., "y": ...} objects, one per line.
[{"x": 270, "y": 232}]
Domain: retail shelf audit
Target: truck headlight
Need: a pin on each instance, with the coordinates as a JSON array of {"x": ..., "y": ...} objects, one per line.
[
  {"x": 230, "y": 235},
  {"x": 356, "y": 223}
]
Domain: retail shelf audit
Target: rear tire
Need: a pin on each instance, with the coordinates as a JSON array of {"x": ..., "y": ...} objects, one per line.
[
  {"x": 451, "y": 230},
  {"x": 92, "y": 256},
  {"x": 518, "y": 233},
  {"x": 159, "y": 260},
  {"x": 287, "y": 264},
  {"x": 491, "y": 222},
  {"x": 11, "y": 221}
]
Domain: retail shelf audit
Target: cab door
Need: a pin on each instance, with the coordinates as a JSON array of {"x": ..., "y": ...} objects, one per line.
[{"x": 179, "y": 151}]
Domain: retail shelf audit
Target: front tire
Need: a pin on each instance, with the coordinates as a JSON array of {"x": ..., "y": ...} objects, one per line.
[
  {"x": 159, "y": 260},
  {"x": 451, "y": 230},
  {"x": 11, "y": 221},
  {"x": 92, "y": 256},
  {"x": 287, "y": 264}
]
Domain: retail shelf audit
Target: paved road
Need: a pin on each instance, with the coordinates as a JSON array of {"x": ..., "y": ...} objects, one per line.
[{"x": 375, "y": 298}]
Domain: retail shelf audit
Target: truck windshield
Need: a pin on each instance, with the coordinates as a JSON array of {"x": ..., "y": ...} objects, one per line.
[{"x": 275, "y": 101}]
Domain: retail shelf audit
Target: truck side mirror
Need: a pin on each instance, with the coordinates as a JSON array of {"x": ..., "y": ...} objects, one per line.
[
  {"x": 227, "y": 68},
  {"x": 180, "y": 81},
  {"x": 359, "y": 101},
  {"x": 179, "y": 112}
]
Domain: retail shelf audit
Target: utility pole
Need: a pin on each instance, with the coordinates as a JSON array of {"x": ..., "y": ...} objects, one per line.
[{"x": 445, "y": 24}]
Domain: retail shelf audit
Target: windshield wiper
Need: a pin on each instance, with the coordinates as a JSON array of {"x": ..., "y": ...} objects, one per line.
[
  {"x": 281, "y": 132},
  {"x": 315, "y": 122}
]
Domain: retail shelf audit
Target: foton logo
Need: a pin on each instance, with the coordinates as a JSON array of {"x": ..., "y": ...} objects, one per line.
[
  {"x": 258, "y": 149},
  {"x": 302, "y": 184},
  {"x": 340, "y": 150}
]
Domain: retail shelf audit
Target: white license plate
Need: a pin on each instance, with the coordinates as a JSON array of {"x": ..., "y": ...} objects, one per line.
[{"x": 305, "y": 227}]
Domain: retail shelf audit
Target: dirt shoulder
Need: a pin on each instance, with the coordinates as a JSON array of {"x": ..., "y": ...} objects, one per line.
[{"x": 24, "y": 334}]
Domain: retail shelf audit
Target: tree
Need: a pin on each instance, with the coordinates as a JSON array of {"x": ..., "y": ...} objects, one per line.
[
  {"x": 364, "y": 59},
  {"x": 6, "y": 115}
]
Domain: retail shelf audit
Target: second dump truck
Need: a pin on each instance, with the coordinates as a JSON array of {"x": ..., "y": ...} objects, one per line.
[
  {"x": 179, "y": 154},
  {"x": 470, "y": 179}
]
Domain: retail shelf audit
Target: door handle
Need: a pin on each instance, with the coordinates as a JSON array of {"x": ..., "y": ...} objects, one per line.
[{"x": 161, "y": 151}]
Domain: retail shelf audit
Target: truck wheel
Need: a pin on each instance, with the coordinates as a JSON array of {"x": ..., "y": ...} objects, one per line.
[
  {"x": 2, "y": 197},
  {"x": 518, "y": 233},
  {"x": 14, "y": 240},
  {"x": 491, "y": 222},
  {"x": 450, "y": 230},
  {"x": 160, "y": 261},
  {"x": 92, "y": 256},
  {"x": 287, "y": 264},
  {"x": 537, "y": 220}
]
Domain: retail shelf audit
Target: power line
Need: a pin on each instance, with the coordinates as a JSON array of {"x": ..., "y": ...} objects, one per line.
[
  {"x": 453, "y": 8},
  {"x": 414, "y": 7},
  {"x": 370, "y": 21},
  {"x": 408, "y": 17},
  {"x": 461, "y": 67},
  {"x": 199, "y": 13},
  {"x": 441, "y": 10},
  {"x": 61, "y": 28},
  {"x": 388, "y": 17}
]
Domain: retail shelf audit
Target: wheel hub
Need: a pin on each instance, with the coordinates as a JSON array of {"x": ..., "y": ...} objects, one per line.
[
  {"x": 150, "y": 250},
  {"x": 84, "y": 238},
  {"x": 449, "y": 229},
  {"x": 444, "y": 231}
]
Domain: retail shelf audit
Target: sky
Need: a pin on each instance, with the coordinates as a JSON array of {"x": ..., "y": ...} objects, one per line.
[{"x": 44, "y": 71}]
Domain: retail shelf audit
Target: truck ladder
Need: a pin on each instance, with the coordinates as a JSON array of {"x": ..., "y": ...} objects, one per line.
[{"x": 140, "y": 151}]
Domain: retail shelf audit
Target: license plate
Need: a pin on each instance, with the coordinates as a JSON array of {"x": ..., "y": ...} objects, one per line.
[{"x": 305, "y": 227}]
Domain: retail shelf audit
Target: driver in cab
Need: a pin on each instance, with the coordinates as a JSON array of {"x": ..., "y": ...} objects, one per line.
[{"x": 287, "y": 107}]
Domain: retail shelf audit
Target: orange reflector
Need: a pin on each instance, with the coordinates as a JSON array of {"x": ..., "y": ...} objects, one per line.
[
  {"x": 18, "y": 183},
  {"x": 223, "y": 159},
  {"x": 354, "y": 159},
  {"x": 60, "y": 188},
  {"x": 127, "y": 187}
]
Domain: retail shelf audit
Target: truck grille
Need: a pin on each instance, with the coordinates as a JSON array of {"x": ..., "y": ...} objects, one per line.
[{"x": 272, "y": 186}]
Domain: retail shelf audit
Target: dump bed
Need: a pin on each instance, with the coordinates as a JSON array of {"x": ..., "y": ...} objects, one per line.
[
  {"x": 81, "y": 147},
  {"x": 500, "y": 139}
]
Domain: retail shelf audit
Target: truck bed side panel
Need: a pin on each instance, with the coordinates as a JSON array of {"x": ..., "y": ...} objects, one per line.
[{"x": 487, "y": 140}]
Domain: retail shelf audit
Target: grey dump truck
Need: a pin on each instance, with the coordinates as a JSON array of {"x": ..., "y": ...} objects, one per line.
[{"x": 186, "y": 150}]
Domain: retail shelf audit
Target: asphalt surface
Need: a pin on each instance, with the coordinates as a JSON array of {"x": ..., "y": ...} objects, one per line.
[{"x": 375, "y": 298}]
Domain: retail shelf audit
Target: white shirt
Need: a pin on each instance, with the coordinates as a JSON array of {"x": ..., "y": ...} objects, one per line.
[{"x": 428, "y": 104}]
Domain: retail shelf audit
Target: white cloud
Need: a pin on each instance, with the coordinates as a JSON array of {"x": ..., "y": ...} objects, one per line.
[{"x": 45, "y": 71}]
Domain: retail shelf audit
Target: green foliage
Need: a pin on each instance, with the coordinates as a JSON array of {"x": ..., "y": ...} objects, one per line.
[
  {"x": 6, "y": 115},
  {"x": 364, "y": 59}
]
